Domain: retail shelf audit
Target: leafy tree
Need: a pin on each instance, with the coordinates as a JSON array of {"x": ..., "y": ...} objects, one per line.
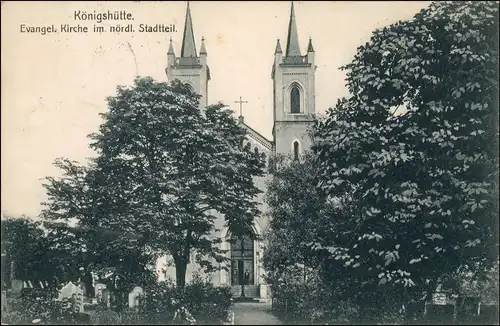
[
  {"x": 22, "y": 244},
  {"x": 78, "y": 197},
  {"x": 163, "y": 173},
  {"x": 298, "y": 214},
  {"x": 301, "y": 214},
  {"x": 32, "y": 252},
  {"x": 415, "y": 146}
]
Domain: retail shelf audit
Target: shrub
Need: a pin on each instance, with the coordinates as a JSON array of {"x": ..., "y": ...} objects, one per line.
[
  {"x": 207, "y": 302},
  {"x": 39, "y": 305},
  {"x": 295, "y": 301},
  {"x": 198, "y": 302}
]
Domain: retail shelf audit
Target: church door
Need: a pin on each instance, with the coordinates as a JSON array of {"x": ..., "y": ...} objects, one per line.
[{"x": 242, "y": 260}]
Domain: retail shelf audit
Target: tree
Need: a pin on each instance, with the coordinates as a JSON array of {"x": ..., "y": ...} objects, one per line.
[
  {"x": 311, "y": 283},
  {"x": 415, "y": 145},
  {"x": 298, "y": 214},
  {"x": 22, "y": 244},
  {"x": 164, "y": 170},
  {"x": 27, "y": 248}
]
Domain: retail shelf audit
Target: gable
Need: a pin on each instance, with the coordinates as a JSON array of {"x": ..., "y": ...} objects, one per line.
[{"x": 259, "y": 141}]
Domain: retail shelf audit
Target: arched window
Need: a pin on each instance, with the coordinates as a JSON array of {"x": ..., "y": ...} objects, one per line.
[
  {"x": 295, "y": 100},
  {"x": 190, "y": 87},
  {"x": 296, "y": 150}
]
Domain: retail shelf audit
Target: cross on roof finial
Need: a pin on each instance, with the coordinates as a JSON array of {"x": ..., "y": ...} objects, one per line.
[{"x": 241, "y": 104}]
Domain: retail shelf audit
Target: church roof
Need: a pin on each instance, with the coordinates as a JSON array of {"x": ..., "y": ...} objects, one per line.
[
  {"x": 188, "y": 45},
  {"x": 257, "y": 137},
  {"x": 292, "y": 42}
]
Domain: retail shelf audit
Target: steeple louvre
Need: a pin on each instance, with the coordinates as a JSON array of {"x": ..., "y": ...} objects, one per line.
[
  {"x": 188, "y": 44},
  {"x": 292, "y": 42}
]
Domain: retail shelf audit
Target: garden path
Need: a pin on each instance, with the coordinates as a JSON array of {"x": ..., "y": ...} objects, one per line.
[{"x": 253, "y": 313}]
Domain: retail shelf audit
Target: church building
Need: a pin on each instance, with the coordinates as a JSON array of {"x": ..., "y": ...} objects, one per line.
[{"x": 293, "y": 102}]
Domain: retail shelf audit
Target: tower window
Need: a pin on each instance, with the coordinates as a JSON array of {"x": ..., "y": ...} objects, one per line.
[
  {"x": 296, "y": 150},
  {"x": 295, "y": 100}
]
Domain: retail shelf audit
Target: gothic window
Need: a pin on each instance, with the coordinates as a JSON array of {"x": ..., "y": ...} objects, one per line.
[
  {"x": 296, "y": 150},
  {"x": 295, "y": 100}
]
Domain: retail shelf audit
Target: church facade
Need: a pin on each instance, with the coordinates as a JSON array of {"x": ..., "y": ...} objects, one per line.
[{"x": 293, "y": 80}]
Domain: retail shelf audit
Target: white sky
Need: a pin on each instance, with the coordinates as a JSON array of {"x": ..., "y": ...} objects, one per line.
[{"x": 54, "y": 86}]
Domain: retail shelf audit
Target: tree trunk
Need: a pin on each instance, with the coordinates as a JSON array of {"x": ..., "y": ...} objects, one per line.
[{"x": 180, "y": 272}]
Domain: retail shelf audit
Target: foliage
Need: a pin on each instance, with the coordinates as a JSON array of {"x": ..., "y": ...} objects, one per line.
[
  {"x": 479, "y": 285},
  {"x": 22, "y": 244},
  {"x": 422, "y": 184},
  {"x": 37, "y": 255},
  {"x": 40, "y": 305},
  {"x": 303, "y": 289},
  {"x": 164, "y": 169},
  {"x": 198, "y": 302},
  {"x": 73, "y": 197},
  {"x": 298, "y": 213}
]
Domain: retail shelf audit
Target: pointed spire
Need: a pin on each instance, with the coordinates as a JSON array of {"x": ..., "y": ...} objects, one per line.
[
  {"x": 278, "y": 47},
  {"x": 203, "y": 50},
  {"x": 310, "y": 46},
  {"x": 170, "y": 47},
  {"x": 292, "y": 42},
  {"x": 188, "y": 45}
]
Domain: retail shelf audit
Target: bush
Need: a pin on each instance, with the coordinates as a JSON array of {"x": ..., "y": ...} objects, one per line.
[
  {"x": 299, "y": 302},
  {"x": 198, "y": 302},
  {"x": 42, "y": 306},
  {"x": 313, "y": 302}
]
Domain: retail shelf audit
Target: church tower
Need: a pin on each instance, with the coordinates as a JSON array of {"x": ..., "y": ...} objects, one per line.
[
  {"x": 189, "y": 67},
  {"x": 293, "y": 93}
]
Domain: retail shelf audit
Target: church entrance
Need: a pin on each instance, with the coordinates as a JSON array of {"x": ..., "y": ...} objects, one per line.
[{"x": 242, "y": 260}]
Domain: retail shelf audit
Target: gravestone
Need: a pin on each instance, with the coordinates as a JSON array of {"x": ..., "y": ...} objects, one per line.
[
  {"x": 27, "y": 289},
  {"x": 106, "y": 298},
  {"x": 17, "y": 287},
  {"x": 439, "y": 299},
  {"x": 134, "y": 296},
  {"x": 98, "y": 289},
  {"x": 69, "y": 291}
]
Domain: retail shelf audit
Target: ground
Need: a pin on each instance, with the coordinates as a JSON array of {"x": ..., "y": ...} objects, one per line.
[{"x": 252, "y": 313}]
